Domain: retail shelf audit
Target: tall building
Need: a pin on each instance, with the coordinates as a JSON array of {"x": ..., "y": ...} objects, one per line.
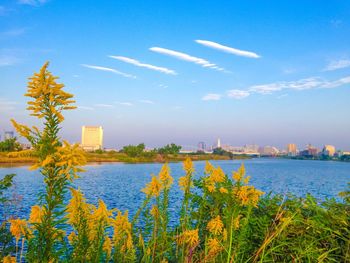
[
  {"x": 328, "y": 150},
  {"x": 202, "y": 146},
  {"x": 218, "y": 144},
  {"x": 292, "y": 149},
  {"x": 92, "y": 138},
  {"x": 9, "y": 135}
]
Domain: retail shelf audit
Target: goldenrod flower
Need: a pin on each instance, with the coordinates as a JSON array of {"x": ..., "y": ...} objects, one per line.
[
  {"x": 224, "y": 235},
  {"x": 18, "y": 228},
  {"x": 188, "y": 165},
  {"x": 152, "y": 188},
  {"x": 211, "y": 187},
  {"x": 165, "y": 177},
  {"x": 101, "y": 214},
  {"x": 223, "y": 190},
  {"x": 36, "y": 214},
  {"x": 209, "y": 168},
  {"x": 185, "y": 182},
  {"x": 217, "y": 176},
  {"x": 247, "y": 195},
  {"x": 236, "y": 222},
  {"x": 214, "y": 247},
  {"x": 215, "y": 226},
  {"x": 77, "y": 208},
  {"x": 155, "y": 211},
  {"x": 189, "y": 238},
  {"x": 72, "y": 237},
  {"x": 107, "y": 246},
  {"x": 238, "y": 176},
  {"x": 9, "y": 259}
]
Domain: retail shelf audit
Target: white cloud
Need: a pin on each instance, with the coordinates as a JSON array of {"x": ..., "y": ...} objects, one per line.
[
  {"x": 6, "y": 60},
  {"x": 7, "y": 105},
  {"x": 85, "y": 108},
  {"x": 147, "y": 101},
  {"x": 104, "y": 105},
  {"x": 32, "y": 2},
  {"x": 185, "y": 57},
  {"x": 125, "y": 103},
  {"x": 303, "y": 84},
  {"x": 338, "y": 64},
  {"x": 143, "y": 65},
  {"x": 227, "y": 49},
  {"x": 109, "y": 70},
  {"x": 238, "y": 94},
  {"x": 212, "y": 96},
  {"x": 163, "y": 86}
]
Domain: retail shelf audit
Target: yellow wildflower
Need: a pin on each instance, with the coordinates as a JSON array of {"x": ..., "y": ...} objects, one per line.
[
  {"x": 189, "y": 238},
  {"x": 215, "y": 226},
  {"x": 164, "y": 260},
  {"x": 248, "y": 195},
  {"x": 36, "y": 214},
  {"x": 188, "y": 165},
  {"x": 236, "y": 222},
  {"x": 246, "y": 180},
  {"x": 72, "y": 237},
  {"x": 9, "y": 259},
  {"x": 238, "y": 176},
  {"x": 107, "y": 246},
  {"x": 223, "y": 190},
  {"x": 101, "y": 214},
  {"x": 214, "y": 247},
  {"x": 165, "y": 177},
  {"x": 210, "y": 187},
  {"x": 209, "y": 168},
  {"x": 77, "y": 208},
  {"x": 185, "y": 182},
  {"x": 155, "y": 211},
  {"x": 217, "y": 176},
  {"x": 224, "y": 235},
  {"x": 18, "y": 228},
  {"x": 153, "y": 188}
]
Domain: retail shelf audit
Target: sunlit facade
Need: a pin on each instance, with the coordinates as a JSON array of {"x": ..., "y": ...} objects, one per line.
[{"x": 92, "y": 138}]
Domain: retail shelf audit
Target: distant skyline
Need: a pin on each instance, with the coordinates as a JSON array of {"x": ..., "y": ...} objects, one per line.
[{"x": 186, "y": 71}]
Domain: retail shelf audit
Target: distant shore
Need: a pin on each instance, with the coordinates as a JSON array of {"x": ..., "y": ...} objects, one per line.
[{"x": 115, "y": 157}]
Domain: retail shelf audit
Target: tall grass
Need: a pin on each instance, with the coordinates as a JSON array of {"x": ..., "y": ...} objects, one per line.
[{"x": 222, "y": 218}]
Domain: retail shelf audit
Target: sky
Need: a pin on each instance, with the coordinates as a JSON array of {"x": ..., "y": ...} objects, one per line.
[{"x": 263, "y": 72}]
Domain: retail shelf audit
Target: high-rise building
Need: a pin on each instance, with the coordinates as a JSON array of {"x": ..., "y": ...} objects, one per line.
[
  {"x": 292, "y": 149},
  {"x": 92, "y": 138},
  {"x": 9, "y": 135},
  {"x": 328, "y": 150},
  {"x": 201, "y": 146},
  {"x": 218, "y": 144}
]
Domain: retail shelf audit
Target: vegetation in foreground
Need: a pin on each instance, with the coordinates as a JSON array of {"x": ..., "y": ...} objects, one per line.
[{"x": 222, "y": 218}]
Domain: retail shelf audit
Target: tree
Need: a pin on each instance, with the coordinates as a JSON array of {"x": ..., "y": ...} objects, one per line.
[
  {"x": 134, "y": 151},
  {"x": 10, "y": 145},
  {"x": 170, "y": 149}
]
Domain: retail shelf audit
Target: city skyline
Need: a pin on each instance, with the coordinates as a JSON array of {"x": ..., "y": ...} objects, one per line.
[{"x": 148, "y": 75}]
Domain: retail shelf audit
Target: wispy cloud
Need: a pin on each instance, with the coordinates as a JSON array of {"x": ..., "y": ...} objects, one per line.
[
  {"x": 7, "y": 105},
  {"x": 32, "y": 2},
  {"x": 147, "y": 101},
  {"x": 6, "y": 60},
  {"x": 13, "y": 32},
  {"x": 85, "y": 108},
  {"x": 237, "y": 94},
  {"x": 109, "y": 70},
  {"x": 104, "y": 105},
  {"x": 302, "y": 84},
  {"x": 338, "y": 64},
  {"x": 144, "y": 65},
  {"x": 186, "y": 57},
  {"x": 125, "y": 103},
  {"x": 227, "y": 49},
  {"x": 211, "y": 96}
]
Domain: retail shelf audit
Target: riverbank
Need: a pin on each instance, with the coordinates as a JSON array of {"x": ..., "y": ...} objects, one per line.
[{"x": 107, "y": 157}]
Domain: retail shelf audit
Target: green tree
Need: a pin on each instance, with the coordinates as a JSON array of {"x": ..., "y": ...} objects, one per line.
[
  {"x": 170, "y": 149},
  {"x": 10, "y": 145},
  {"x": 134, "y": 150}
]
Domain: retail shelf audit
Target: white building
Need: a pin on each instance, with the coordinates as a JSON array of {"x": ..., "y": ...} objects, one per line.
[{"x": 92, "y": 138}]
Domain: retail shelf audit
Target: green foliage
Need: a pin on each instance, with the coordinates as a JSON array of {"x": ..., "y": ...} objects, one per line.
[
  {"x": 10, "y": 145},
  {"x": 169, "y": 149},
  {"x": 134, "y": 150},
  {"x": 220, "y": 151}
]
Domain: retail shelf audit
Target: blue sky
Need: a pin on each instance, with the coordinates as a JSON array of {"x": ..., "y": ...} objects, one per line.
[{"x": 265, "y": 72}]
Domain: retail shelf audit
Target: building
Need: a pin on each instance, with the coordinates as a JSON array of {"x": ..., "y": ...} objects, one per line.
[
  {"x": 292, "y": 149},
  {"x": 310, "y": 151},
  {"x": 268, "y": 151},
  {"x": 92, "y": 138},
  {"x": 218, "y": 144},
  {"x": 9, "y": 135},
  {"x": 328, "y": 150},
  {"x": 202, "y": 147}
]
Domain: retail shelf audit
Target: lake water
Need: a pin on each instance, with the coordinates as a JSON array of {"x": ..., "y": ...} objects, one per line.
[{"x": 119, "y": 184}]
